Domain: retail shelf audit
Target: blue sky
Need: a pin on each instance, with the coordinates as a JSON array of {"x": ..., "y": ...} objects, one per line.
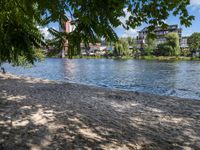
[{"x": 194, "y": 9}]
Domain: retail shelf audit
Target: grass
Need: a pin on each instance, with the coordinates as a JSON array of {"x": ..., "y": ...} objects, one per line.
[
  {"x": 151, "y": 57},
  {"x": 168, "y": 58}
]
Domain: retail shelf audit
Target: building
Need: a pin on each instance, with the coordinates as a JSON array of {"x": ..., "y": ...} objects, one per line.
[
  {"x": 96, "y": 49},
  {"x": 68, "y": 27},
  {"x": 185, "y": 50},
  {"x": 160, "y": 34},
  {"x": 184, "y": 43},
  {"x": 91, "y": 50}
]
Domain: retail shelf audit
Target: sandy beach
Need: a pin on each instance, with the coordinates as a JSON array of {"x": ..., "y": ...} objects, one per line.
[{"x": 39, "y": 114}]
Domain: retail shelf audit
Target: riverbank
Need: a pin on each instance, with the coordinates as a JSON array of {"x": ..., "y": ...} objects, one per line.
[
  {"x": 159, "y": 58},
  {"x": 42, "y": 114},
  {"x": 170, "y": 58}
]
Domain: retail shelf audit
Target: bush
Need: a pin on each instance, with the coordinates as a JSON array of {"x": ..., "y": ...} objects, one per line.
[
  {"x": 163, "y": 49},
  {"x": 121, "y": 48},
  {"x": 170, "y": 47}
]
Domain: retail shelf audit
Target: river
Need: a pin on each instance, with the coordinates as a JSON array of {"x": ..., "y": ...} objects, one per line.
[{"x": 181, "y": 78}]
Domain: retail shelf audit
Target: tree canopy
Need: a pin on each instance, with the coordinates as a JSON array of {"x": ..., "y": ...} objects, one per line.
[
  {"x": 194, "y": 42},
  {"x": 19, "y": 19},
  {"x": 171, "y": 47},
  {"x": 173, "y": 42},
  {"x": 19, "y": 36},
  {"x": 149, "y": 46},
  {"x": 121, "y": 48}
]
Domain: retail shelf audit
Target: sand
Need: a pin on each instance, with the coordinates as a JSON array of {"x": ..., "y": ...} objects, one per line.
[{"x": 40, "y": 114}]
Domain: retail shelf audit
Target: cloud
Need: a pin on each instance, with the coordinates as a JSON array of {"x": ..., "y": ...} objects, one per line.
[
  {"x": 195, "y": 2},
  {"x": 194, "y": 5},
  {"x": 125, "y": 18},
  {"x": 124, "y": 32},
  {"x": 45, "y": 32},
  {"x": 130, "y": 33}
]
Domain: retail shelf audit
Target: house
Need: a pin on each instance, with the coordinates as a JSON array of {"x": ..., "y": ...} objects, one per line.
[
  {"x": 160, "y": 34},
  {"x": 68, "y": 27},
  {"x": 93, "y": 49},
  {"x": 184, "y": 43}
]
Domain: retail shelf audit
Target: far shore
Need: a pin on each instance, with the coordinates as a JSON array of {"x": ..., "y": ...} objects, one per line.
[
  {"x": 42, "y": 114},
  {"x": 159, "y": 58}
]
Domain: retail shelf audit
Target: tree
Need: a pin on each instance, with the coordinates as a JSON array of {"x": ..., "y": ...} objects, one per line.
[
  {"x": 194, "y": 42},
  {"x": 171, "y": 47},
  {"x": 19, "y": 19},
  {"x": 149, "y": 46},
  {"x": 121, "y": 48},
  {"x": 133, "y": 44},
  {"x": 19, "y": 35},
  {"x": 173, "y": 41},
  {"x": 163, "y": 49}
]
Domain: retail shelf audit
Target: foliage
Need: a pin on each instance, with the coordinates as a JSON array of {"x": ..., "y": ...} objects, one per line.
[
  {"x": 121, "y": 48},
  {"x": 149, "y": 46},
  {"x": 194, "y": 42},
  {"x": 173, "y": 41},
  {"x": 132, "y": 43},
  {"x": 185, "y": 52},
  {"x": 168, "y": 58},
  {"x": 19, "y": 36},
  {"x": 163, "y": 49},
  {"x": 38, "y": 53},
  {"x": 170, "y": 47},
  {"x": 18, "y": 20}
]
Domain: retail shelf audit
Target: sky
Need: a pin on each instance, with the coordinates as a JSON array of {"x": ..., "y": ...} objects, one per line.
[{"x": 193, "y": 9}]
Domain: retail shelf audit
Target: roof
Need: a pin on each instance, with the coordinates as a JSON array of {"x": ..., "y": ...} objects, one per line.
[{"x": 158, "y": 28}]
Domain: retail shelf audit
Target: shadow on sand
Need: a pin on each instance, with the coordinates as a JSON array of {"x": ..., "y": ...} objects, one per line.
[{"x": 36, "y": 114}]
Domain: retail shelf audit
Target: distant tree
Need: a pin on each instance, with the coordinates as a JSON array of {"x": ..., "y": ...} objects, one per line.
[
  {"x": 185, "y": 52},
  {"x": 131, "y": 41},
  {"x": 121, "y": 48},
  {"x": 149, "y": 46},
  {"x": 19, "y": 35},
  {"x": 52, "y": 48},
  {"x": 173, "y": 41},
  {"x": 169, "y": 48},
  {"x": 133, "y": 44},
  {"x": 163, "y": 49},
  {"x": 194, "y": 43}
]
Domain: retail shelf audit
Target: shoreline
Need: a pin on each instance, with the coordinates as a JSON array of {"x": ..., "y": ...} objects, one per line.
[
  {"x": 148, "y": 58},
  {"x": 44, "y": 114},
  {"x": 10, "y": 75}
]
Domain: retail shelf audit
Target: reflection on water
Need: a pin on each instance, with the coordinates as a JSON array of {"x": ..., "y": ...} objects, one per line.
[{"x": 180, "y": 79}]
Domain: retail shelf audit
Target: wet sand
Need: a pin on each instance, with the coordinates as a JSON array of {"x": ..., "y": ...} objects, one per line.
[{"x": 40, "y": 114}]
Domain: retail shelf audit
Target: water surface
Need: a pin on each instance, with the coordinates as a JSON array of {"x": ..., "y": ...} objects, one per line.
[{"x": 180, "y": 78}]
